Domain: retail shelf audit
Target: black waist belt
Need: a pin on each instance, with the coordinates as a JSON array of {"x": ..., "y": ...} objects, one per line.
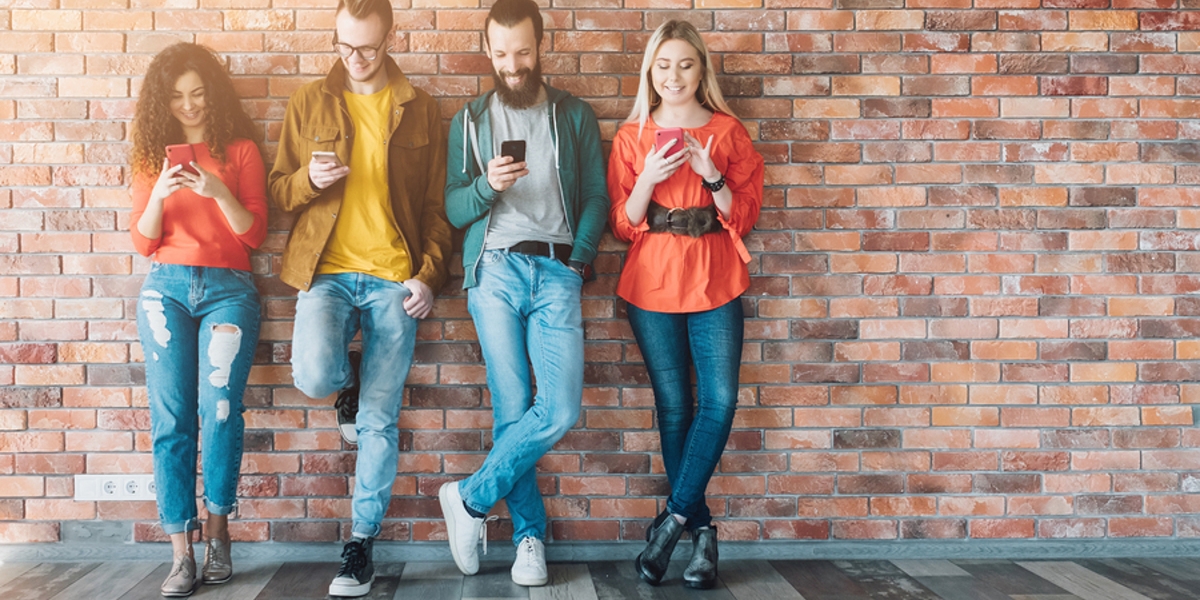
[
  {"x": 682, "y": 221},
  {"x": 561, "y": 252}
]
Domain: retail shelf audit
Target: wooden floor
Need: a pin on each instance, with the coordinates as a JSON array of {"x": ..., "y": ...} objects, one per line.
[{"x": 1099, "y": 579}]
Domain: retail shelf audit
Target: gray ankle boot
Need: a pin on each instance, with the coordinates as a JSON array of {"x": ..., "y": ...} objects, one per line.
[
  {"x": 701, "y": 573},
  {"x": 662, "y": 536}
]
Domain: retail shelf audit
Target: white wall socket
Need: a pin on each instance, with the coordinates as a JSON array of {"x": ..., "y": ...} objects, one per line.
[{"x": 137, "y": 486}]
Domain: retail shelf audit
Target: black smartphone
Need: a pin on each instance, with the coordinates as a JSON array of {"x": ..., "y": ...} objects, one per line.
[{"x": 513, "y": 148}]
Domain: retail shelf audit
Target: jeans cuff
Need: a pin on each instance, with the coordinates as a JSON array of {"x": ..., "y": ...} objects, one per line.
[
  {"x": 181, "y": 527},
  {"x": 217, "y": 509},
  {"x": 539, "y": 536},
  {"x": 465, "y": 493},
  {"x": 693, "y": 522},
  {"x": 365, "y": 530}
]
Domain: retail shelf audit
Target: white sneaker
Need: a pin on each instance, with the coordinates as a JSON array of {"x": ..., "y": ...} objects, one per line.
[
  {"x": 530, "y": 567},
  {"x": 462, "y": 530}
]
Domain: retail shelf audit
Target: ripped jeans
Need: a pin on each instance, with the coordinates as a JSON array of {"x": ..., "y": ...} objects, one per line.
[{"x": 198, "y": 327}]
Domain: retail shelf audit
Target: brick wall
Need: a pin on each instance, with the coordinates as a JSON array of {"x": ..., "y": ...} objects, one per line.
[{"x": 972, "y": 314}]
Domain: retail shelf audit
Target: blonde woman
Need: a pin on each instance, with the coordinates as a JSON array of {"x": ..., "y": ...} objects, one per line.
[{"x": 686, "y": 185}]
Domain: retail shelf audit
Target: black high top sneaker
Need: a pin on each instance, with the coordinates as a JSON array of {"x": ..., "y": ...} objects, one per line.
[
  {"x": 358, "y": 570},
  {"x": 346, "y": 404}
]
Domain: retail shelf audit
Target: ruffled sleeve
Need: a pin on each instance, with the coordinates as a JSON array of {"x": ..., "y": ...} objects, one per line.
[
  {"x": 622, "y": 176},
  {"x": 744, "y": 177}
]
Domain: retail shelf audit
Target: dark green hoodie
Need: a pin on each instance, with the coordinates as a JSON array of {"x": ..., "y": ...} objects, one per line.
[{"x": 581, "y": 175}]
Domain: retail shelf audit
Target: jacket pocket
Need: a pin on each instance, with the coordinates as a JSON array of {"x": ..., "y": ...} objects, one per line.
[
  {"x": 411, "y": 141},
  {"x": 318, "y": 135}
]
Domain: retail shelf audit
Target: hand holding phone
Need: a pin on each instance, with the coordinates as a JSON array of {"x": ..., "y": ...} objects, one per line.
[
  {"x": 325, "y": 168},
  {"x": 182, "y": 154},
  {"x": 169, "y": 181},
  {"x": 665, "y": 158},
  {"x": 503, "y": 173},
  {"x": 663, "y": 136}
]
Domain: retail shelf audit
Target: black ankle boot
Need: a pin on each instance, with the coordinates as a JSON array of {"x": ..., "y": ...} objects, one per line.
[
  {"x": 701, "y": 573},
  {"x": 662, "y": 536}
]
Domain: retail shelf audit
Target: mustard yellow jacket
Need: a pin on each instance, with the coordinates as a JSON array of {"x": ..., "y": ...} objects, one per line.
[{"x": 317, "y": 119}]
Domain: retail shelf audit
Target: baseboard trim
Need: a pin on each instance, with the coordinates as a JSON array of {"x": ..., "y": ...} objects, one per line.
[{"x": 604, "y": 551}]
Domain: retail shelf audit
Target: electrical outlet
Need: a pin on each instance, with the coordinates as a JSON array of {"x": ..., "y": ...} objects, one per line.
[{"x": 136, "y": 486}]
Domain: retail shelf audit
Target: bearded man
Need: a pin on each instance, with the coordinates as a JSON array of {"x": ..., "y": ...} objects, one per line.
[{"x": 533, "y": 224}]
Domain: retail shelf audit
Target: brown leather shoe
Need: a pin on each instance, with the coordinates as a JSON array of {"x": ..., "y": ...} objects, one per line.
[
  {"x": 182, "y": 580},
  {"x": 218, "y": 565}
]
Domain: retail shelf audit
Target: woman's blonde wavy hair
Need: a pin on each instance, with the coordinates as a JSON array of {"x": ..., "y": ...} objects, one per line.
[{"x": 709, "y": 92}]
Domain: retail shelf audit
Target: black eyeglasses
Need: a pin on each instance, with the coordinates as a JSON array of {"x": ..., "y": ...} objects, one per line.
[{"x": 367, "y": 52}]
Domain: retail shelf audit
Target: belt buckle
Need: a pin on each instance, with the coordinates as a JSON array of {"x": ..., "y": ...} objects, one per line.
[{"x": 676, "y": 224}]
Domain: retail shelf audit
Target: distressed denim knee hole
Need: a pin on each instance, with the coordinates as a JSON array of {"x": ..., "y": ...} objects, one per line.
[
  {"x": 156, "y": 316},
  {"x": 222, "y": 350}
]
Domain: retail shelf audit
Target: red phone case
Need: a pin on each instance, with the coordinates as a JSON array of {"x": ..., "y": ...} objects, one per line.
[
  {"x": 662, "y": 136},
  {"x": 182, "y": 154}
]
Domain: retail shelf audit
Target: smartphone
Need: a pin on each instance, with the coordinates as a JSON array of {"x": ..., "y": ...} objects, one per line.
[
  {"x": 662, "y": 136},
  {"x": 323, "y": 156},
  {"x": 513, "y": 148},
  {"x": 182, "y": 154}
]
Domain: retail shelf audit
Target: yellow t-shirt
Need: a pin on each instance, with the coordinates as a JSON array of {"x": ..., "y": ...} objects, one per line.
[{"x": 365, "y": 237}]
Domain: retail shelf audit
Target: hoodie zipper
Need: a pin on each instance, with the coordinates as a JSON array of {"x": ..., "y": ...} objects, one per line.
[{"x": 562, "y": 196}]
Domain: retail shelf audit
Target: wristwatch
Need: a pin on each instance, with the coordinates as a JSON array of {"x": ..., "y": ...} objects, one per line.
[{"x": 579, "y": 267}]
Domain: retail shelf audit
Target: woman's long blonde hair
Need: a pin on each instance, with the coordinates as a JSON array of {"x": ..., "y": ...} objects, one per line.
[{"x": 709, "y": 92}]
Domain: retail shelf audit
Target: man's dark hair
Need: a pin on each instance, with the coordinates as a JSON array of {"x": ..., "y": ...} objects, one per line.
[
  {"x": 361, "y": 9},
  {"x": 510, "y": 13}
]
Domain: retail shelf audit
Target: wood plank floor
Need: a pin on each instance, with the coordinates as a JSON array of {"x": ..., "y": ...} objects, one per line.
[{"x": 1091, "y": 579}]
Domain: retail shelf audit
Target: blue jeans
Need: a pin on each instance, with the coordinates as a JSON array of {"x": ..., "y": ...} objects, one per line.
[
  {"x": 198, "y": 327},
  {"x": 526, "y": 310},
  {"x": 692, "y": 440},
  {"x": 327, "y": 317}
]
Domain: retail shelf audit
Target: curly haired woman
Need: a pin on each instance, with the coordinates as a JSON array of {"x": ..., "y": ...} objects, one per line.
[{"x": 198, "y": 311}]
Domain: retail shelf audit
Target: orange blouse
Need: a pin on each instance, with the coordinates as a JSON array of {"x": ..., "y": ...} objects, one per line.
[
  {"x": 666, "y": 272},
  {"x": 194, "y": 230}
]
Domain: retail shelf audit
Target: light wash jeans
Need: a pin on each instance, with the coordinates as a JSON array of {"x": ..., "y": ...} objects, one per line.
[
  {"x": 327, "y": 317},
  {"x": 526, "y": 310},
  {"x": 693, "y": 430},
  {"x": 196, "y": 371}
]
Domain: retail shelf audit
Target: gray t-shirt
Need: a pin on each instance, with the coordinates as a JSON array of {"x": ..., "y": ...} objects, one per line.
[{"x": 532, "y": 209}]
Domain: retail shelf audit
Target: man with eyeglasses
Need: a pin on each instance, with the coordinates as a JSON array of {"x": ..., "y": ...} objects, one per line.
[{"x": 362, "y": 166}]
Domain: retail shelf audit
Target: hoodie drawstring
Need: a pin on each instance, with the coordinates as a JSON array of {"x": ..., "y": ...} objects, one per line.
[{"x": 554, "y": 124}]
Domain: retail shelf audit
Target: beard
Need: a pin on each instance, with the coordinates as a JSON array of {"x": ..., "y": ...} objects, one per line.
[{"x": 526, "y": 94}]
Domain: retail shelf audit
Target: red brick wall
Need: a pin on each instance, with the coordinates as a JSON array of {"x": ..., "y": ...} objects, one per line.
[{"x": 972, "y": 313}]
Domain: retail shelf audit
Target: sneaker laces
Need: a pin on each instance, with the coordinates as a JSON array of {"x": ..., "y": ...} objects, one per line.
[
  {"x": 527, "y": 551},
  {"x": 181, "y": 563},
  {"x": 213, "y": 552},
  {"x": 347, "y": 402},
  {"x": 483, "y": 531},
  {"x": 354, "y": 558}
]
